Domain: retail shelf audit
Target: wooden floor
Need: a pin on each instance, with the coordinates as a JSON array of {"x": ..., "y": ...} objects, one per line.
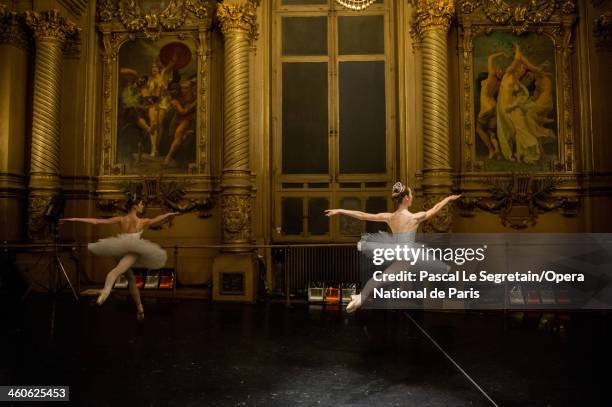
[{"x": 198, "y": 353}]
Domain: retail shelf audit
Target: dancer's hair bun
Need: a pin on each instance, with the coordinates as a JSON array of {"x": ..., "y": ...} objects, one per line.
[
  {"x": 400, "y": 191},
  {"x": 133, "y": 199}
]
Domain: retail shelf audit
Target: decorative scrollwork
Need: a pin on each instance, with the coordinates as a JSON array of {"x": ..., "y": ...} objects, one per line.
[
  {"x": 239, "y": 17},
  {"x": 38, "y": 228},
  {"x": 518, "y": 16},
  {"x": 134, "y": 19},
  {"x": 12, "y": 30},
  {"x": 519, "y": 201},
  {"x": 106, "y": 10},
  {"x": 432, "y": 14},
  {"x": 442, "y": 222},
  {"x": 50, "y": 25},
  {"x": 170, "y": 194},
  {"x": 236, "y": 218}
]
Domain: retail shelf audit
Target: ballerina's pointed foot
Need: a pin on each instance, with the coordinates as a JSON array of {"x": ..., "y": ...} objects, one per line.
[
  {"x": 140, "y": 313},
  {"x": 354, "y": 304},
  {"x": 102, "y": 297}
]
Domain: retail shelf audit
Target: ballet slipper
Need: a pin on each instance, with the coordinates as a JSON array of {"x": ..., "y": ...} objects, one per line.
[
  {"x": 354, "y": 304},
  {"x": 140, "y": 313},
  {"x": 102, "y": 297}
]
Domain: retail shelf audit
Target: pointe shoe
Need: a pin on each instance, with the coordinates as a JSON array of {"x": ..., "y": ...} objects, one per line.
[
  {"x": 354, "y": 304},
  {"x": 102, "y": 297}
]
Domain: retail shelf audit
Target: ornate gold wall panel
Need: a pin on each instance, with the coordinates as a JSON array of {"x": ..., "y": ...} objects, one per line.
[
  {"x": 126, "y": 23},
  {"x": 12, "y": 29},
  {"x": 139, "y": 18},
  {"x": 534, "y": 24}
]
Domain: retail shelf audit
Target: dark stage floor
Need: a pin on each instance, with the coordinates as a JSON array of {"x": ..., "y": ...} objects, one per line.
[{"x": 193, "y": 353}]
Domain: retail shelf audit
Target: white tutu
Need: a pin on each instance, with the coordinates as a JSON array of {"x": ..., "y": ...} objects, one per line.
[
  {"x": 150, "y": 255},
  {"x": 384, "y": 240}
]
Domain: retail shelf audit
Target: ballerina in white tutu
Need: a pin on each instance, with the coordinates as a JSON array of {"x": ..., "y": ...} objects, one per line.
[
  {"x": 402, "y": 223},
  {"x": 128, "y": 247}
]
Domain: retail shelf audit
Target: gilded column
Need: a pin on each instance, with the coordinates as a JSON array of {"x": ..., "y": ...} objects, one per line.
[
  {"x": 238, "y": 24},
  {"x": 14, "y": 50},
  {"x": 50, "y": 32},
  {"x": 433, "y": 20}
]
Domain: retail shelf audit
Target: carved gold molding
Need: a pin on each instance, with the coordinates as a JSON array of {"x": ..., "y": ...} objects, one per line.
[
  {"x": 239, "y": 17},
  {"x": 106, "y": 10},
  {"x": 112, "y": 42},
  {"x": 432, "y": 14},
  {"x": 12, "y": 29},
  {"x": 133, "y": 19},
  {"x": 442, "y": 222},
  {"x": 518, "y": 16},
  {"x": 521, "y": 199},
  {"x": 38, "y": 228},
  {"x": 559, "y": 30},
  {"x": 239, "y": 26},
  {"x": 236, "y": 218},
  {"x": 168, "y": 193},
  {"x": 50, "y": 26}
]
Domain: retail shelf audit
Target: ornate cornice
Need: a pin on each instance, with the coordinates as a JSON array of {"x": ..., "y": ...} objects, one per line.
[
  {"x": 131, "y": 16},
  {"x": 433, "y": 14},
  {"x": 518, "y": 16},
  {"x": 106, "y": 10},
  {"x": 12, "y": 29},
  {"x": 239, "y": 17},
  {"x": 50, "y": 26},
  {"x": 603, "y": 31}
]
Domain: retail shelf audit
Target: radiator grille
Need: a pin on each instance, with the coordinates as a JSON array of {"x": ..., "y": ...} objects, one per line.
[{"x": 329, "y": 264}]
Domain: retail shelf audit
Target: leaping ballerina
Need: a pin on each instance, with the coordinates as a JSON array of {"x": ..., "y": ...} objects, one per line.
[
  {"x": 129, "y": 247},
  {"x": 403, "y": 225}
]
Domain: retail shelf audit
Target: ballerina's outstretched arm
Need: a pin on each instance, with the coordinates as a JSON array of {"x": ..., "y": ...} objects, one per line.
[
  {"x": 159, "y": 218},
  {"x": 94, "y": 221},
  {"x": 372, "y": 217},
  {"x": 430, "y": 213}
]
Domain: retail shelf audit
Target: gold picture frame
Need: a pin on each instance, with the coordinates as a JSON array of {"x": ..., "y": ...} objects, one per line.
[
  {"x": 192, "y": 28},
  {"x": 550, "y": 25}
]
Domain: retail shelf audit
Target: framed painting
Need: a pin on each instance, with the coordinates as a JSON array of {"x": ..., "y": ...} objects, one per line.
[
  {"x": 516, "y": 93},
  {"x": 156, "y": 81},
  {"x": 157, "y": 105}
]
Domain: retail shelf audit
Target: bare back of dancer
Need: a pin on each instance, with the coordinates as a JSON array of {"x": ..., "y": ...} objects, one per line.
[
  {"x": 128, "y": 224},
  {"x": 400, "y": 221}
]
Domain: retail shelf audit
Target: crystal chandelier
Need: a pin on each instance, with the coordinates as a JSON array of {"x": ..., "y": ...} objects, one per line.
[{"x": 356, "y": 4}]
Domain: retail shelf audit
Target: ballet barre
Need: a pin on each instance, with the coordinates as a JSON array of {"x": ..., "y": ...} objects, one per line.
[{"x": 293, "y": 274}]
